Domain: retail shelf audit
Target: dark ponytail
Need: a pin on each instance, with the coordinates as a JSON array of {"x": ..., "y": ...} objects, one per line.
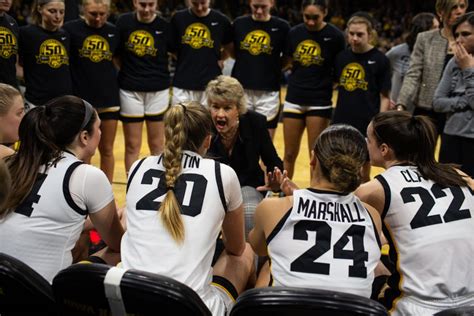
[
  {"x": 413, "y": 140},
  {"x": 45, "y": 132}
]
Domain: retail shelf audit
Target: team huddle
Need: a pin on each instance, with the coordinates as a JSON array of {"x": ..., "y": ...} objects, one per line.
[{"x": 200, "y": 208}]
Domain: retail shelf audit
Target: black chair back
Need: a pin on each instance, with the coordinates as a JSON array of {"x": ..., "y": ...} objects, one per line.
[
  {"x": 23, "y": 290},
  {"x": 81, "y": 289},
  {"x": 289, "y": 301}
]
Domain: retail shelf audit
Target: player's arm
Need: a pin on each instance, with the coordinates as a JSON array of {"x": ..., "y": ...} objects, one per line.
[
  {"x": 373, "y": 194},
  {"x": 233, "y": 231},
  {"x": 384, "y": 101},
  {"x": 257, "y": 235},
  {"x": 107, "y": 223}
]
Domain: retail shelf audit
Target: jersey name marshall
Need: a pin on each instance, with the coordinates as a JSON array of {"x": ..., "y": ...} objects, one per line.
[
  {"x": 198, "y": 35},
  {"x": 329, "y": 211},
  {"x": 8, "y": 43},
  {"x": 141, "y": 43},
  {"x": 53, "y": 53},
  {"x": 96, "y": 48},
  {"x": 257, "y": 42}
]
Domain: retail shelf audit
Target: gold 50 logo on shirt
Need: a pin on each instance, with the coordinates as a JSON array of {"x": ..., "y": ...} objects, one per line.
[
  {"x": 353, "y": 77},
  {"x": 8, "y": 43},
  {"x": 257, "y": 42},
  {"x": 197, "y": 35},
  {"x": 308, "y": 53},
  {"x": 96, "y": 48},
  {"x": 53, "y": 53},
  {"x": 141, "y": 43}
]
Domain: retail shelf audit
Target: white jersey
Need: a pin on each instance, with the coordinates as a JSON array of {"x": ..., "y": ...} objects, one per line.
[
  {"x": 205, "y": 190},
  {"x": 43, "y": 230},
  {"x": 327, "y": 241},
  {"x": 431, "y": 234}
]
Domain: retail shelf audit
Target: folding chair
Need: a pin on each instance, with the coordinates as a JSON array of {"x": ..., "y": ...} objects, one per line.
[
  {"x": 23, "y": 290},
  {"x": 98, "y": 289},
  {"x": 460, "y": 311},
  {"x": 289, "y": 301}
]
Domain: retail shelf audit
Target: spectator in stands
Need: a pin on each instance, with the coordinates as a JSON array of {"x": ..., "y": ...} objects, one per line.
[
  {"x": 177, "y": 205},
  {"x": 455, "y": 96},
  {"x": 428, "y": 210},
  {"x": 53, "y": 191},
  {"x": 432, "y": 51},
  {"x": 399, "y": 55}
]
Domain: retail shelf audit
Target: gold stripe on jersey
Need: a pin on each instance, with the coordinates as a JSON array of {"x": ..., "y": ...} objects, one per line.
[{"x": 224, "y": 289}]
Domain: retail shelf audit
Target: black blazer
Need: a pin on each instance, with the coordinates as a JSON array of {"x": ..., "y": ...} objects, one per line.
[{"x": 254, "y": 143}]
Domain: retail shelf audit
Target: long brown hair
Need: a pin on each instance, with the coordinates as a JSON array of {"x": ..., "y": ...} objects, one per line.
[
  {"x": 342, "y": 151},
  {"x": 186, "y": 127},
  {"x": 45, "y": 132},
  {"x": 413, "y": 139}
]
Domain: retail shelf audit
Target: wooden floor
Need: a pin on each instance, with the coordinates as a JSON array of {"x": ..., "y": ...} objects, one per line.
[{"x": 301, "y": 176}]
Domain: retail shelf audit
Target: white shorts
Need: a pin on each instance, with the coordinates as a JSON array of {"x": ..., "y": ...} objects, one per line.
[
  {"x": 298, "y": 111},
  {"x": 264, "y": 102},
  {"x": 137, "y": 106},
  {"x": 181, "y": 95},
  {"x": 409, "y": 305},
  {"x": 221, "y": 301}
]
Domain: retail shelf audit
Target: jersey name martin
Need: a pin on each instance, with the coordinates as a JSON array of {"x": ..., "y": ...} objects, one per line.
[
  {"x": 189, "y": 161},
  {"x": 329, "y": 211}
]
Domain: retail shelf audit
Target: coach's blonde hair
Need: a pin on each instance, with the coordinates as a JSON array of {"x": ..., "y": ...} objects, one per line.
[
  {"x": 227, "y": 89},
  {"x": 186, "y": 127},
  {"x": 7, "y": 94}
]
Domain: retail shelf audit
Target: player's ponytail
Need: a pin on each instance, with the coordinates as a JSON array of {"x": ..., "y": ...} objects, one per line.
[
  {"x": 45, "y": 132},
  {"x": 413, "y": 140},
  {"x": 342, "y": 151},
  {"x": 186, "y": 127}
]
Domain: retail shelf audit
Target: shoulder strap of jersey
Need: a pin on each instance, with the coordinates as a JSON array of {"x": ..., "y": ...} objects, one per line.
[
  {"x": 388, "y": 196},
  {"x": 220, "y": 187},
  {"x": 134, "y": 171},
  {"x": 67, "y": 192}
]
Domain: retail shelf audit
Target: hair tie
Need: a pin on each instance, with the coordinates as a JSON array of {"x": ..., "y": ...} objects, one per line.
[{"x": 88, "y": 113}]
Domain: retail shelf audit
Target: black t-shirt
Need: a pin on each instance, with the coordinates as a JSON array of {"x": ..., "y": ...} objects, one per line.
[
  {"x": 361, "y": 79},
  {"x": 93, "y": 74},
  {"x": 45, "y": 59},
  {"x": 197, "y": 42},
  {"x": 144, "y": 54},
  {"x": 8, "y": 49},
  {"x": 313, "y": 53},
  {"x": 258, "y": 50}
]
